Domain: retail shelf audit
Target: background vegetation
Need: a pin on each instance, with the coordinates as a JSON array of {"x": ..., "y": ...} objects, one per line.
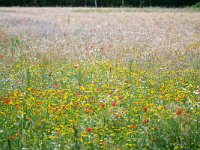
[{"x": 100, "y": 3}]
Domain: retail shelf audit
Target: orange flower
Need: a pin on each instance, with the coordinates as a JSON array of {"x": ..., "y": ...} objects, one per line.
[
  {"x": 17, "y": 133},
  {"x": 102, "y": 143},
  {"x": 153, "y": 139},
  {"x": 37, "y": 103},
  {"x": 55, "y": 109},
  {"x": 56, "y": 85},
  {"x": 75, "y": 66},
  {"x": 39, "y": 96},
  {"x": 103, "y": 104},
  {"x": 78, "y": 94},
  {"x": 75, "y": 105},
  {"x": 63, "y": 106},
  {"x": 98, "y": 90},
  {"x": 155, "y": 128},
  {"x": 127, "y": 81}
]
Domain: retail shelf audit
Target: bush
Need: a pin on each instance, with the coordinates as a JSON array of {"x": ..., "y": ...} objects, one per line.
[{"x": 197, "y": 5}]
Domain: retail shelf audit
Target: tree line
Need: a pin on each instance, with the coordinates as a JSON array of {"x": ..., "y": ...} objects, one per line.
[{"x": 100, "y": 3}]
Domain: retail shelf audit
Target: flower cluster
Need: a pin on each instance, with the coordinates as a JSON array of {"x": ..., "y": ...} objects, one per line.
[{"x": 97, "y": 105}]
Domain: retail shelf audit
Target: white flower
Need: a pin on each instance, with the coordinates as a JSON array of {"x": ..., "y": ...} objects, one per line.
[
  {"x": 197, "y": 92},
  {"x": 1, "y": 131},
  {"x": 198, "y": 104}
]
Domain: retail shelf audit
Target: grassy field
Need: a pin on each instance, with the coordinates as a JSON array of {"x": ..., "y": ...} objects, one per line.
[{"x": 85, "y": 78}]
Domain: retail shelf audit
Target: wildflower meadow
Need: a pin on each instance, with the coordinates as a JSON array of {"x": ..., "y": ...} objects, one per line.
[{"x": 99, "y": 79}]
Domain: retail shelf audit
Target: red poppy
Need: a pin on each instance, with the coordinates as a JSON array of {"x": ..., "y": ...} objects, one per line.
[
  {"x": 132, "y": 127},
  {"x": 179, "y": 112},
  {"x": 120, "y": 96},
  {"x": 114, "y": 103},
  {"x": 12, "y": 137},
  {"x": 90, "y": 110},
  {"x": 6, "y": 101},
  {"x": 28, "y": 119},
  {"x": 103, "y": 104},
  {"x": 145, "y": 120},
  {"x": 145, "y": 109},
  {"x": 89, "y": 130}
]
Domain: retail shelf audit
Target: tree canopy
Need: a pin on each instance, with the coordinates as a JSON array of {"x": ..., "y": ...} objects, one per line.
[{"x": 100, "y": 3}]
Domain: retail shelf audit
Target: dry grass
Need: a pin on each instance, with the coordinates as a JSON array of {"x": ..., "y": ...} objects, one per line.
[
  {"x": 72, "y": 30},
  {"x": 168, "y": 37}
]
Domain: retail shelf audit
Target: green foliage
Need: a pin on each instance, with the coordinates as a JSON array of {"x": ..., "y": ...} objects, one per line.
[{"x": 197, "y": 5}]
